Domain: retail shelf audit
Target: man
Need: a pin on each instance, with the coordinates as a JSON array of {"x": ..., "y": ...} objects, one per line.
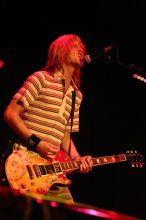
[{"x": 40, "y": 112}]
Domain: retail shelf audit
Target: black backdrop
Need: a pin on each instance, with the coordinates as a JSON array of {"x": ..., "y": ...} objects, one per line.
[{"x": 112, "y": 115}]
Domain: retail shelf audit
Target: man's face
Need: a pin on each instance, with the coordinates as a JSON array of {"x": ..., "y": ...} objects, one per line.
[{"x": 76, "y": 55}]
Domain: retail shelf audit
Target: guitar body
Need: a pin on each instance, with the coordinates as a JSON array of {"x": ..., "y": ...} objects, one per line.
[{"x": 23, "y": 175}]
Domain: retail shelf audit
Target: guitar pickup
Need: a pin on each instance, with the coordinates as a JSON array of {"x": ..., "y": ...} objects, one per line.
[
  {"x": 57, "y": 167},
  {"x": 30, "y": 171}
]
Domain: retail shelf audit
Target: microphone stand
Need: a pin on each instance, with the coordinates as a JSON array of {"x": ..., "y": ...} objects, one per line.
[{"x": 138, "y": 73}]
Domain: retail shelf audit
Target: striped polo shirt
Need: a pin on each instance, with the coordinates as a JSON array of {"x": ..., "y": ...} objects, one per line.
[{"x": 46, "y": 108}]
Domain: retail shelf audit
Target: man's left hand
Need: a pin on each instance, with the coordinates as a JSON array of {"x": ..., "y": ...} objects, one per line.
[{"x": 86, "y": 164}]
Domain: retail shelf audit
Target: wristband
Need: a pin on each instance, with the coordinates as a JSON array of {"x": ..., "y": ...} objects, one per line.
[{"x": 33, "y": 141}]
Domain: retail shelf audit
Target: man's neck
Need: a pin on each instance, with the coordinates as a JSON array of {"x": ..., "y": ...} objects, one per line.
[{"x": 66, "y": 74}]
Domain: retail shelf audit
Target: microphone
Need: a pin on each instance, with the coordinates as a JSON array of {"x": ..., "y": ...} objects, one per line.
[{"x": 96, "y": 55}]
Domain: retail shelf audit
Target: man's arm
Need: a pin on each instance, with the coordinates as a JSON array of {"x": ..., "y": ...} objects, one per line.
[
  {"x": 66, "y": 144},
  {"x": 86, "y": 161},
  {"x": 13, "y": 119}
]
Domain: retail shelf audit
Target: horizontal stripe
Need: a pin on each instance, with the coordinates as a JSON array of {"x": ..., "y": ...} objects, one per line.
[
  {"x": 45, "y": 115},
  {"x": 50, "y": 124},
  {"x": 42, "y": 130},
  {"x": 42, "y": 97}
]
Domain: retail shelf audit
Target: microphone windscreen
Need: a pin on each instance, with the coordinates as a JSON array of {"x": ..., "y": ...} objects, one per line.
[{"x": 87, "y": 58}]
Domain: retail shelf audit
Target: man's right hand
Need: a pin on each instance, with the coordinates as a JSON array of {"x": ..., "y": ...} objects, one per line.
[{"x": 47, "y": 150}]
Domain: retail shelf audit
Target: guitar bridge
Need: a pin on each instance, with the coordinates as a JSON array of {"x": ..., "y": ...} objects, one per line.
[{"x": 57, "y": 167}]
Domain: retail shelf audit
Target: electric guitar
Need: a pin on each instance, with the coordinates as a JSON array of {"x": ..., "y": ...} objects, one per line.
[{"x": 28, "y": 172}]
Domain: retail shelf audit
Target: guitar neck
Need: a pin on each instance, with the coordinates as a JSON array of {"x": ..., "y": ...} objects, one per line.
[
  {"x": 75, "y": 165},
  {"x": 109, "y": 159}
]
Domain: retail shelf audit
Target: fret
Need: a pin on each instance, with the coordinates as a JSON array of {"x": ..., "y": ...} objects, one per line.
[
  {"x": 96, "y": 161},
  {"x": 76, "y": 164},
  {"x": 64, "y": 166},
  {"x": 102, "y": 160},
  {"x": 73, "y": 164},
  {"x": 67, "y": 164},
  {"x": 70, "y": 165}
]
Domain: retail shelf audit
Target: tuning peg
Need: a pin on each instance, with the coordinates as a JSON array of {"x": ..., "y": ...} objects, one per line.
[
  {"x": 133, "y": 165},
  {"x": 131, "y": 151},
  {"x": 137, "y": 165},
  {"x": 140, "y": 165}
]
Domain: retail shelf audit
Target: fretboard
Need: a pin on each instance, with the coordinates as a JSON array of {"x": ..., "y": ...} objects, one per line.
[{"x": 71, "y": 165}]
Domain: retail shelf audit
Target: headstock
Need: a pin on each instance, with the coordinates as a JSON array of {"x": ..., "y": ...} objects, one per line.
[{"x": 135, "y": 158}]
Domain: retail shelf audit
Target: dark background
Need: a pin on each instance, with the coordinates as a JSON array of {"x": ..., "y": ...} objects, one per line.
[{"x": 113, "y": 111}]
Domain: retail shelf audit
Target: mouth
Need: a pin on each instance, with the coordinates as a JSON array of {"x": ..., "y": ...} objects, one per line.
[
  {"x": 81, "y": 57},
  {"x": 81, "y": 61}
]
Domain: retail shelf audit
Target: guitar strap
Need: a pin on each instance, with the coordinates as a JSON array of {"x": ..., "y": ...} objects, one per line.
[{"x": 72, "y": 116}]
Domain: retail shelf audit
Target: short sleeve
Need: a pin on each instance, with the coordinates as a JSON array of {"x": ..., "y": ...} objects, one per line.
[{"x": 30, "y": 88}]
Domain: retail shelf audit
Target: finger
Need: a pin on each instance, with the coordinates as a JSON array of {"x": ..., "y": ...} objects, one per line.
[
  {"x": 53, "y": 146},
  {"x": 84, "y": 167},
  {"x": 90, "y": 163},
  {"x": 53, "y": 149},
  {"x": 50, "y": 156}
]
